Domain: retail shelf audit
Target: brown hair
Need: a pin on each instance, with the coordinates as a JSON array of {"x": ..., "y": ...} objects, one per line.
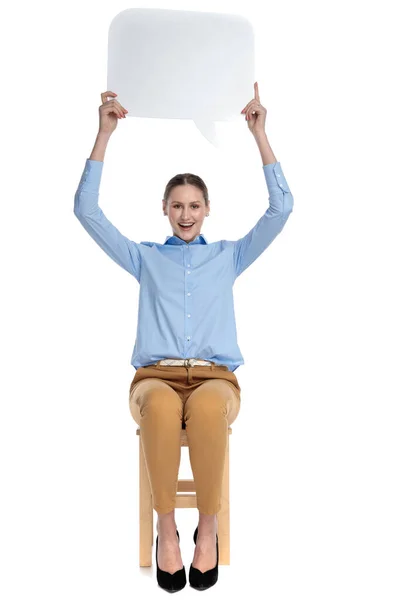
[{"x": 184, "y": 179}]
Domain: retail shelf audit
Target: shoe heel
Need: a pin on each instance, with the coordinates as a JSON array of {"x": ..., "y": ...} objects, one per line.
[{"x": 171, "y": 582}]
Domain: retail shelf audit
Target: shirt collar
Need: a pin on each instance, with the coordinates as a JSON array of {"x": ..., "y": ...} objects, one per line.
[{"x": 174, "y": 239}]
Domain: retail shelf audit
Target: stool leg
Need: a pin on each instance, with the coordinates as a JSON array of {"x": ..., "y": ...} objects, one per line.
[
  {"x": 145, "y": 512},
  {"x": 223, "y": 517}
]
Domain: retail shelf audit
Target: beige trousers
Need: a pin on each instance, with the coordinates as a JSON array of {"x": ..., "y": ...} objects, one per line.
[{"x": 207, "y": 400}]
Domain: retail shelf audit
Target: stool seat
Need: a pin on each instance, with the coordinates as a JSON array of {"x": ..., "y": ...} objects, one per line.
[{"x": 185, "y": 498}]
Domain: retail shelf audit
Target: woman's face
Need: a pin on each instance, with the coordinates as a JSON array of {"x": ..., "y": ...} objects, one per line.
[{"x": 186, "y": 204}]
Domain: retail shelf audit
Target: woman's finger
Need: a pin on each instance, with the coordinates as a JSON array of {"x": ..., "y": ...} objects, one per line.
[
  {"x": 251, "y": 106},
  {"x": 116, "y": 103},
  {"x": 245, "y": 108},
  {"x": 256, "y": 97},
  {"x": 104, "y": 96},
  {"x": 248, "y": 104},
  {"x": 113, "y": 106},
  {"x": 121, "y": 109}
]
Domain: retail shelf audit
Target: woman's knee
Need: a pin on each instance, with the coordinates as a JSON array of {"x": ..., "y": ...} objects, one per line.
[
  {"x": 212, "y": 398},
  {"x": 152, "y": 396}
]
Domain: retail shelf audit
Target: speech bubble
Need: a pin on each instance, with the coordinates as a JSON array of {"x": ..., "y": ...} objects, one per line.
[{"x": 173, "y": 64}]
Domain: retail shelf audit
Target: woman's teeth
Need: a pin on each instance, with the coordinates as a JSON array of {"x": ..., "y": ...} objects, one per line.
[{"x": 186, "y": 226}]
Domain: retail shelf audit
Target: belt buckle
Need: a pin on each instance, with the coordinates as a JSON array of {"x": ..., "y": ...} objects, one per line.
[{"x": 187, "y": 362}]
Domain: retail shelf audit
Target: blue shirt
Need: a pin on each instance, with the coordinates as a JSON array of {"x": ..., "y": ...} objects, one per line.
[{"x": 186, "y": 305}]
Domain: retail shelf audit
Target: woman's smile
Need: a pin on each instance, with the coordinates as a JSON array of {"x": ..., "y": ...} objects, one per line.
[{"x": 186, "y": 226}]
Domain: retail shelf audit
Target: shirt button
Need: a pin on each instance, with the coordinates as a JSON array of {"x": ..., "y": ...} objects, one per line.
[
  {"x": 280, "y": 185},
  {"x": 188, "y": 315},
  {"x": 278, "y": 175},
  {"x": 188, "y": 272},
  {"x": 188, "y": 337},
  {"x": 188, "y": 265},
  {"x": 188, "y": 293}
]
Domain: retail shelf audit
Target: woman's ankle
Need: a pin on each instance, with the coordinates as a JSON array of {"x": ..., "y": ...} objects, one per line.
[
  {"x": 166, "y": 523},
  {"x": 207, "y": 523}
]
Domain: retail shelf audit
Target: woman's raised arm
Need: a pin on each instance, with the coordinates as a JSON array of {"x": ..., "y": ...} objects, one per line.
[
  {"x": 122, "y": 250},
  {"x": 271, "y": 223}
]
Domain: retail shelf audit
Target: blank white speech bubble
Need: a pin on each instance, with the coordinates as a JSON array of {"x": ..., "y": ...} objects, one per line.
[{"x": 173, "y": 64}]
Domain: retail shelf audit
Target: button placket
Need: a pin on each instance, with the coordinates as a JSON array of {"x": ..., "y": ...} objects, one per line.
[{"x": 187, "y": 263}]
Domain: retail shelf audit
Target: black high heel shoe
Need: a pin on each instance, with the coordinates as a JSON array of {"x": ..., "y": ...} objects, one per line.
[
  {"x": 199, "y": 580},
  {"x": 172, "y": 582}
]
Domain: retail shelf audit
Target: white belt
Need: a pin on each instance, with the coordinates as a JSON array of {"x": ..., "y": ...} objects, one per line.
[{"x": 185, "y": 362}]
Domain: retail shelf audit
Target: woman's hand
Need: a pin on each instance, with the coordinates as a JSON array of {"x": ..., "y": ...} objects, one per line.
[
  {"x": 255, "y": 113},
  {"x": 109, "y": 113}
]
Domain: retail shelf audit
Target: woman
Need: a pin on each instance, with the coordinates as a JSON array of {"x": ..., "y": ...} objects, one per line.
[{"x": 186, "y": 349}]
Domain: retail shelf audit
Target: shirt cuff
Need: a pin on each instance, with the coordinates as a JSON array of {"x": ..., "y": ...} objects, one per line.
[
  {"x": 91, "y": 175},
  {"x": 275, "y": 178}
]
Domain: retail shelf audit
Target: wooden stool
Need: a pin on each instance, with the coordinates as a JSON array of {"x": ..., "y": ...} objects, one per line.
[{"x": 185, "y": 498}]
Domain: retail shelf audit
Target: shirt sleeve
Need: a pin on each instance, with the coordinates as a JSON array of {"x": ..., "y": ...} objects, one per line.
[
  {"x": 118, "y": 247},
  {"x": 249, "y": 247}
]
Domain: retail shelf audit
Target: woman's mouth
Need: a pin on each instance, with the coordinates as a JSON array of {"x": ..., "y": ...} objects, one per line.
[{"x": 186, "y": 226}]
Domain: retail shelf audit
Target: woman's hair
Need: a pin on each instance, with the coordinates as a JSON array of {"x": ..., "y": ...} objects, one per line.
[{"x": 183, "y": 179}]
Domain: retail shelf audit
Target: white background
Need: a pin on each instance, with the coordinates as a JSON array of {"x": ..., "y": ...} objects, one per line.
[{"x": 315, "y": 449}]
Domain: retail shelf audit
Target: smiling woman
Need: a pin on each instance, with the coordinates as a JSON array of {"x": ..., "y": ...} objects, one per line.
[{"x": 186, "y": 313}]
